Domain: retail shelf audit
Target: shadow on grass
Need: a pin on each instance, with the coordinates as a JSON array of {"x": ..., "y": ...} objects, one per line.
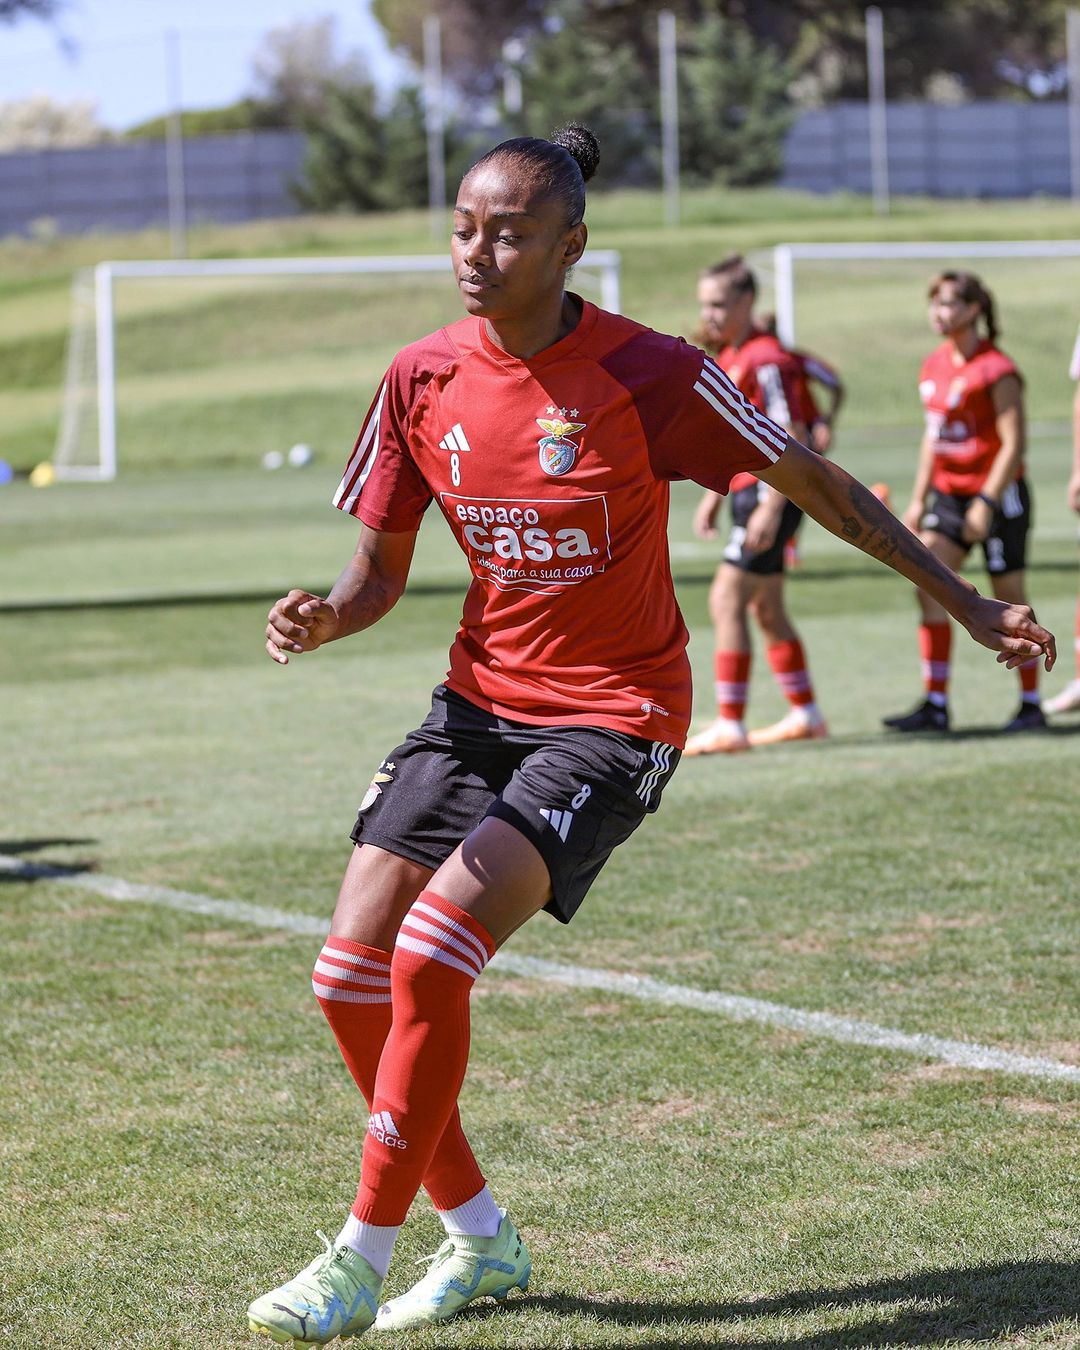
[
  {"x": 887, "y": 739},
  {"x": 957, "y": 1305},
  {"x": 18, "y": 870}
]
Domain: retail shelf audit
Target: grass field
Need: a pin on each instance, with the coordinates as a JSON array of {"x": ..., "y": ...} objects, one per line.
[{"x": 174, "y": 1120}]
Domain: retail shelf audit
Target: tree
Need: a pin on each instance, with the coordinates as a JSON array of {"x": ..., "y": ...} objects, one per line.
[
  {"x": 43, "y": 123},
  {"x": 733, "y": 105},
  {"x": 345, "y": 152},
  {"x": 297, "y": 65},
  {"x": 11, "y": 11}
]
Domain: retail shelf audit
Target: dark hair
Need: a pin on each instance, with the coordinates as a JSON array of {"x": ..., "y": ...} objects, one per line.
[
  {"x": 561, "y": 166},
  {"x": 734, "y": 267},
  {"x": 972, "y": 291}
]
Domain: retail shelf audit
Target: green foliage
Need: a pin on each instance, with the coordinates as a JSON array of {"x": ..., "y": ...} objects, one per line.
[
  {"x": 733, "y": 105},
  {"x": 247, "y": 114},
  {"x": 573, "y": 74},
  {"x": 345, "y": 153}
]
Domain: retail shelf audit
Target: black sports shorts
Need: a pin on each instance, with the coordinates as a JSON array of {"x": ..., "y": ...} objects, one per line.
[
  {"x": 1005, "y": 547},
  {"x": 574, "y": 792},
  {"x": 771, "y": 561}
]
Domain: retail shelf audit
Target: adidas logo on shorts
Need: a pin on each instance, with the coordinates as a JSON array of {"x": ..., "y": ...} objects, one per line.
[{"x": 560, "y": 821}]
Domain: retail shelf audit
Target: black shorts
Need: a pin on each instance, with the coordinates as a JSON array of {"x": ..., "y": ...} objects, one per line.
[
  {"x": 1005, "y": 547},
  {"x": 574, "y": 792},
  {"x": 771, "y": 561}
]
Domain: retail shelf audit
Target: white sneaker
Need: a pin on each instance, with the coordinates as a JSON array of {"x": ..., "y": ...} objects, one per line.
[
  {"x": 722, "y": 737},
  {"x": 1067, "y": 701}
]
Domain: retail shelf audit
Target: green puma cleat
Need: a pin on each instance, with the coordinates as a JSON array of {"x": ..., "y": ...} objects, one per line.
[
  {"x": 462, "y": 1270},
  {"x": 337, "y": 1295}
]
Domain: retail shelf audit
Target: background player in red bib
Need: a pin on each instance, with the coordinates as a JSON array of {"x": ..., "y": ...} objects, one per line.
[
  {"x": 1069, "y": 698},
  {"x": 750, "y": 580},
  {"x": 546, "y": 433},
  {"x": 970, "y": 486}
]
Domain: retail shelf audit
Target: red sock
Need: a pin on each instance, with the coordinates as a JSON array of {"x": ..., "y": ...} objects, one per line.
[
  {"x": 732, "y": 677},
  {"x": 1029, "y": 680},
  {"x": 352, "y": 983},
  {"x": 935, "y": 646},
  {"x": 788, "y": 663},
  {"x": 439, "y": 952}
]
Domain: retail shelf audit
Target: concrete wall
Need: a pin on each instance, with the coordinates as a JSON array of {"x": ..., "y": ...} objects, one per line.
[
  {"x": 241, "y": 176},
  {"x": 984, "y": 149}
]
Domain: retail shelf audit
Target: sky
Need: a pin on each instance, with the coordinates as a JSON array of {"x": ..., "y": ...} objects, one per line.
[{"x": 113, "y": 51}]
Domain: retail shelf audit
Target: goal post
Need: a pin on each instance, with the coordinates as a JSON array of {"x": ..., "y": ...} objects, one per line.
[
  {"x": 786, "y": 258},
  {"x": 93, "y": 386}
]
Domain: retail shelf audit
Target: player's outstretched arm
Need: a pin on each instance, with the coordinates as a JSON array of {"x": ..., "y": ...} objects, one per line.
[
  {"x": 368, "y": 588},
  {"x": 851, "y": 511}
]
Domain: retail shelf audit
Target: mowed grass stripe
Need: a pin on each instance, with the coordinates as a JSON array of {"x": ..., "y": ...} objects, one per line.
[{"x": 959, "y": 1054}]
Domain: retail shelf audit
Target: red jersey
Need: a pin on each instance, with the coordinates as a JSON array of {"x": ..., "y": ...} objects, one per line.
[
  {"x": 813, "y": 371},
  {"x": 960, "y": 417},
  {"x": 769, "y": 376},
  {"x": 553, "y": 475}
]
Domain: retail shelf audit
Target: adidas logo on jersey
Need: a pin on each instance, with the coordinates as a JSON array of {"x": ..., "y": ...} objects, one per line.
[
  {"x": 454, "y": 440},
  {"x": 381, "y": 1126}
]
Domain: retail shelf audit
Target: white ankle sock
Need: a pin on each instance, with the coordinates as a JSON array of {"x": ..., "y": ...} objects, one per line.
[
  {"x": 478, "y": 1217},
  {"x": 374, "y": 1243}
]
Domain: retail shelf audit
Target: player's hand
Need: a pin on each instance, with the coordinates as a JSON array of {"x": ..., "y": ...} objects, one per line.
[
  {"x": 1073, "y": 494},
  {"x": 912, "y": 517},
  {"x": 299, "y": 622},
  {"x": 821, "y": 436},
  {"x": 977, "y": 521},
  {"x": 762, "y": 526},
  {"x": 1010, "y": 630},
  {"x": 705, "y": 516}
]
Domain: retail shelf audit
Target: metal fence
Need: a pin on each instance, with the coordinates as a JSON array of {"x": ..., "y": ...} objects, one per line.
[
  {"x": 242, "y": 176},
  {"x": 982, "y": 149}
]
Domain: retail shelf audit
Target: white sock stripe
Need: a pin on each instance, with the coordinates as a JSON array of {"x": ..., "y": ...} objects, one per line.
[
  {"x": 453, "y": 926},
  {"x": 329, "y": 953},
  {"x": 333, "y": 994},
  {"x": 357, "y": 978},
  {"x": 721, "y": 384},
  {"x": 435, "y": 953},
  {"x": 420, "y": 928}
]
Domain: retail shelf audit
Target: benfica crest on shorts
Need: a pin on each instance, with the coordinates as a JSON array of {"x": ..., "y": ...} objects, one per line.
[{"x": 557, "y": 451}]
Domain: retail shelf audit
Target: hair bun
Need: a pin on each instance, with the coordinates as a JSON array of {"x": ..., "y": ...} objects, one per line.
[{"x": 581, "y": 144}]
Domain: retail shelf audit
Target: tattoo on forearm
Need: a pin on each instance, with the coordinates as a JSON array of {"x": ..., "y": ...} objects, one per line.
[{"x": 876, "y": 531}]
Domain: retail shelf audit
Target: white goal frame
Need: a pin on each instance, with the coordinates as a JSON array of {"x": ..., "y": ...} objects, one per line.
[
  {"x": 105, "y": 275},
  {"x": 787, "y": 256}
]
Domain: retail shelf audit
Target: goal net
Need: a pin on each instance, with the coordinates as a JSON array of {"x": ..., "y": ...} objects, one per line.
[
  {"x": 863, "y": 307},
  {"x": 186, "y": 364}
]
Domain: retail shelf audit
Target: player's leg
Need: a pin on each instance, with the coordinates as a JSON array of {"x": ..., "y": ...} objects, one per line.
[
  {"x": 1069, "y": 698},
  {"x": 1006, "y": 560},
  {"x": 729, "y": 596},
  {"x": 935, "y": 629},
  {"x": 421, "y": 801},
  {"x": 573, "y": 800},
  {"x": 1012, "y": 588},
  {"x": 783, "y": 646}
]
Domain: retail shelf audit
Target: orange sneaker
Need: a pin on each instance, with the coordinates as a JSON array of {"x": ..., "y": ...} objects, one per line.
[
  {"x": 796, "y": 726},
  {"x": 719, "y": 738}
]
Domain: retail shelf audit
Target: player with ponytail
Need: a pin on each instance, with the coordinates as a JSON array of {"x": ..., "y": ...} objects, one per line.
[
  {"x": 970, "y": 486},
  {"x": 545, "y": 432}
]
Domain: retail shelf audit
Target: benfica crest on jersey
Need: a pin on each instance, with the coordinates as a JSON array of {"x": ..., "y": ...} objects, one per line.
[{"x": 557, "y": 451}]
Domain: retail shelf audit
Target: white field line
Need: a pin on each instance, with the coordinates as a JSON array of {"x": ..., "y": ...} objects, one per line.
[{"x": 962, "y": 1054}]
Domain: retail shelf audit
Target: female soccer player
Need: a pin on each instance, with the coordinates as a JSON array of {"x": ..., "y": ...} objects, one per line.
[
  {"x": 750, "y": 580},
  {"x": 1069, "y": 698},
  {"x": 969, "y": 486},
  {"x": 546, "y": 431}
]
